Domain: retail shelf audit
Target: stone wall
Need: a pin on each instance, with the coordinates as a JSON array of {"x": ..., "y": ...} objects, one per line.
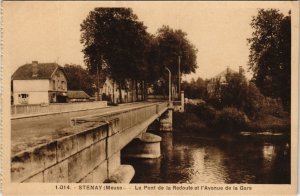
[
  {"x": 55, "y": 107},
  {"x": 92, "y": 155},
  {"x": 69, "y": 159}
]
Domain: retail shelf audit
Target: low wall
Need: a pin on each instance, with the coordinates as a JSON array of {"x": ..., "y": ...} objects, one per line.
[
  {"x": 55, "y": 107},
  {"x": 157, "y": 97},
  {"x": 92, "y": 155},
  {"x": 69, "y": 159}
]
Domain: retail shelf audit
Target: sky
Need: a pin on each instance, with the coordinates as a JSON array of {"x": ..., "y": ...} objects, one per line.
[{"x": 50, "y": 31}]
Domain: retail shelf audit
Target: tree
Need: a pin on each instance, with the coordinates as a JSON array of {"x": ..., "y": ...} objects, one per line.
[
  {"x": 235, "y": 92},
  {"x": 253, "y": 102},
  {"x": 231, "y": 93},
  {"x": 170, "y": 45},
  {"x": 195, "y": 89},
  {"x": 79, "y": 79},
  {"x": 270, "y": 54},
  {"x": 115, "y": 36}
]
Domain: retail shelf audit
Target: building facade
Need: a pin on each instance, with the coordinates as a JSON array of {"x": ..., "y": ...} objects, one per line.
[
  {"x": 220, "y": 79},
  {"x": 109, "y": 91},
  {"x": 38, "y": 83}
]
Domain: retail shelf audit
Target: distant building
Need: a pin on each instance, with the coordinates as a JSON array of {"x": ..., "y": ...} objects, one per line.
[
  {"x": 78, "y": 96},
  {"x": 109, "y": 91},
  {"x": 221, "y": 78},
  {"x": 37, "y": 83},
  {"x": 106, "y": 89}
]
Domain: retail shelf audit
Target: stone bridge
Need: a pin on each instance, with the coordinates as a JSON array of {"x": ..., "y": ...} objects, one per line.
[{"x": 94, "y": 154}]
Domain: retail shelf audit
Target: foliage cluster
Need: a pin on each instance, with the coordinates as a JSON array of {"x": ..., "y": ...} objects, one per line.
[
  {"x": 226, "y": 120},
  {"x": 79, "y": 79},
  {"x": 188, "y": 122},
  {"x": 234, "y": 103},
  {"x": 203, "y": 111},
  {"x": 270, "y": 54},
  {"x": 237, "y": 92},
  {"x": 195, "y": 89},
  {"x": 230, "y": 119},
  {"x": 116, "y": 42}
]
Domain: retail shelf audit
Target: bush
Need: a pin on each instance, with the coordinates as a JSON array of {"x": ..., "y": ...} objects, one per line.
[
  {"x": 245, "y": 97},
  {"x": 273, "y": 107},
  {"x": 206, "y": 112},
  {"x": 230, "y": 120},
  {"x": 253, "y": 102},
  {"x": 203, "y": 111},
  {"x": 231, "y": 93},
  {"x": 188, "y": 122}
]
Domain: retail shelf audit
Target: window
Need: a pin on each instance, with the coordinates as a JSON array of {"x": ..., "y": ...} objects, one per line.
[
  {"x": 53, "y": 84},
  {"x": 23, "y": 98},
  {"x": 23, "y": 95}
]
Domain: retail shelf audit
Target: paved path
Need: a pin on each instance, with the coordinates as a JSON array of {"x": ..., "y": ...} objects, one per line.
[{"x": 42, "y": 128}]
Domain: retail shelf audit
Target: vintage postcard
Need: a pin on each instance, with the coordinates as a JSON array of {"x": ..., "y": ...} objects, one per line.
[{"x": 150, "y": 98}]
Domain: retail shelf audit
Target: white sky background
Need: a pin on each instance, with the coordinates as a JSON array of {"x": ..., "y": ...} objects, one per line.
[{"x": 50, "y": 31}]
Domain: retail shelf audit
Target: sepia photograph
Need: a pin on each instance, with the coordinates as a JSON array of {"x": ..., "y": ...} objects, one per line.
[{"x": 150, "y": 97}]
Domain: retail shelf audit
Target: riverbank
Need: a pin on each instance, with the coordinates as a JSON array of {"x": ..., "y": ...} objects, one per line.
[
  {"x": 204, "y": 122},
  {"x": 270, "y": 122},
  {"x": 189, "y": 122}
]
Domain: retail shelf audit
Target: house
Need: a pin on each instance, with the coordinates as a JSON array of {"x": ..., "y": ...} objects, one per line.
[
  {"x": 37, "y": 83},
  {"x": 78, "y": 96},
  {"x": 109, "y": 91},
  {"x": 221, "y": 79}
]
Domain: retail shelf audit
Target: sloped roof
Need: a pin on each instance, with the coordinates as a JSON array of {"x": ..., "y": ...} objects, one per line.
[
  {"x": 77, "y": 95},
  {"x": 43, "y": 71}
]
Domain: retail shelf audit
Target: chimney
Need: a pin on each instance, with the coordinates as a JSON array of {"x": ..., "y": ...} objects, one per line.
[
  {"x": 34, "y": 69},
  {"x": 241, "y": 70}
]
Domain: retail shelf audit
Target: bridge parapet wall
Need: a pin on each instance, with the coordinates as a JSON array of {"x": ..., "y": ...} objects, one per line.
[
  {"x": 91, "y": 155},
  {"x": 68, "y": 159},
  {"x": 55, "y": 107},
  {"x": 127, "y": 117}
]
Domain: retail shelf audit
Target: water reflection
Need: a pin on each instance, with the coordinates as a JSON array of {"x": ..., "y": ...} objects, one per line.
[
  {"x": 268, "y": 155},
  {"x": 268, "y": 152},
  {"x": 191, "y": 159},
  {"x": 167, "y": 145}
]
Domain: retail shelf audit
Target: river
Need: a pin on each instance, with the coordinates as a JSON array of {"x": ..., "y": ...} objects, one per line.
[{"x": 190, "y": 158}]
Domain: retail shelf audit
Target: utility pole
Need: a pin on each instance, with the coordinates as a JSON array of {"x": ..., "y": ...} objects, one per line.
[
  {"x": 98, "y": 97},
  {"x": 179, "y": 77},
  {"x": 169, "y": 85},
  {"x": 98, "y": 90}
]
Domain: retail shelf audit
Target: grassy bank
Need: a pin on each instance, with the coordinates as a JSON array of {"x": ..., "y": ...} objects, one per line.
[
  {"x": 189, "y": 122},
  {"x": 206, "y": 120},
  {"x": 271, "y": 123}
]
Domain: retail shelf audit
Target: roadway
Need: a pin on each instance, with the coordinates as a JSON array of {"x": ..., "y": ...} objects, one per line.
[{"x": 29, "y": 132}]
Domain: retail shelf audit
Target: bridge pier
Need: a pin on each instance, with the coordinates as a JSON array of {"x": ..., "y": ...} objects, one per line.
[
  {"x": 147, "y": 145},
  {"x": 116, "y": 172},
  {"x": 166, "y": 120},
  {"x": 123, "y": 174}
]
